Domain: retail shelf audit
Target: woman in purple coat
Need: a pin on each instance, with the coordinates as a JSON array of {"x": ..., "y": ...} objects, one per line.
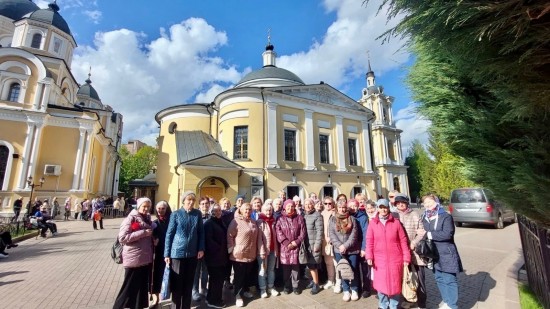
[
  {"x": 291, "y": 231},
  {"x": 137, "y": 256}
]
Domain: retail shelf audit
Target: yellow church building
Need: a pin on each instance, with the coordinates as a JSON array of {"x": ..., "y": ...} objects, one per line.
[
  {"x": 272, "y": 132},
  {"x": 57, "y": 139}
]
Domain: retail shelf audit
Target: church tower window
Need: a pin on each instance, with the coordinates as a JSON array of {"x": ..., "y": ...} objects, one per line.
[
  {"x": 13, "y": 94},
  {"x": 36, "y": 40}
]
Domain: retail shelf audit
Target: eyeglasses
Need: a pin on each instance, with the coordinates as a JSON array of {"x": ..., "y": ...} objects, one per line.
[{"x": 329, "y": 203}]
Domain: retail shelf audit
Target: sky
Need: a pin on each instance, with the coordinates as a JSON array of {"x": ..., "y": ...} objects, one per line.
[{"x": 148, "y": 55}]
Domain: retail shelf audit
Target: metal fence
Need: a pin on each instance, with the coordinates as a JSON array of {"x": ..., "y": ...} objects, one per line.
[{"x": 535, "y": 241}]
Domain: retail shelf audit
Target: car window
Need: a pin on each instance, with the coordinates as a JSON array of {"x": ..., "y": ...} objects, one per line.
[
  {"x": 468, "y": 196},
  {"x": 490, "y": 195}
]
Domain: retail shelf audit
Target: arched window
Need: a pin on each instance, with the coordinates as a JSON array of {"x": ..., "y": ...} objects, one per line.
[
  {"x": 4, "y": 155},
  {"x": 396, "y": 185},
  {"x": 36, "y": 40},
  {"x": 13, "y": 94}
]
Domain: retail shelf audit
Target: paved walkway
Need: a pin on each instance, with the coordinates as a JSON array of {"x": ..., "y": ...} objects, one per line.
[{"x": 75, "y": 270}]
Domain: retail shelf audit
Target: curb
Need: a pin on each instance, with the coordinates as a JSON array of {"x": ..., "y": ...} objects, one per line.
[{"x": 25, "y": 237}]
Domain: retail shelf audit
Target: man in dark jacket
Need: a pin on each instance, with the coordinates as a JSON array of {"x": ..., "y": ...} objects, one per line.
[
  {"x": 215, "y": 242},
  {"x": 363, "y": 220}
]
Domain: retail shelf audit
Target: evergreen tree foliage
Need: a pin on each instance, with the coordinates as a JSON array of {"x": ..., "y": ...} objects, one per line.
[
  {"x": 481, "y": 77},
  {"x": 420, "y": 165}
]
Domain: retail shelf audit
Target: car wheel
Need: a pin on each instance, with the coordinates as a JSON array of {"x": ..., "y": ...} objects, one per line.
[
  {"x": 458, "y": 224},
  {"x": 500, "y": 223}
]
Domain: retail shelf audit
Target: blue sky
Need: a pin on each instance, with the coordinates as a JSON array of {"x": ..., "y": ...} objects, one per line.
[{"x": 148, "y": 55}]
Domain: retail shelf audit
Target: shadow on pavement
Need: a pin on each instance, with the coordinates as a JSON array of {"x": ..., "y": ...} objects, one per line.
[
  {"x": 10, "y": 282},
  {"x": 9, "y": 273},
  {"x": 483, "y": 226}
]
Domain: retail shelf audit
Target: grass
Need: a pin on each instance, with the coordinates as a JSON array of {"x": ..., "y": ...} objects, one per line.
[{"x": 528, "y": 299}]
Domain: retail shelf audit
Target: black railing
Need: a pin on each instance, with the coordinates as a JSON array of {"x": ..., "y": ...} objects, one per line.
[{"x": 535, "y": 240}]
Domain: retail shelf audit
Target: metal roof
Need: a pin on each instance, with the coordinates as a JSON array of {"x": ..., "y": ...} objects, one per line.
[
  {"x": 196, "y": 144},
  {"x": 88, "y": 90},
  {"x": 52, "y": 17},
  {"x": 16, "y": 9},
  {"x": 271, "y": 72}
]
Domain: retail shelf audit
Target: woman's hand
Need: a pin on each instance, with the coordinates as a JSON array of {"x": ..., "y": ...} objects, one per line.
[
  {"x": 200, "y": 255},
  {"x": 405, "y": 264},
  {"x": 369, "y": 262},
  {"x": 155, "y": 242},
  {"x": 167, "y": 260},
  {"x": 342, "y": 249},
  {"x": 362, "y": 253},
  {"x": 316, "y": 249},
  {"x": 148, "y": 232}
]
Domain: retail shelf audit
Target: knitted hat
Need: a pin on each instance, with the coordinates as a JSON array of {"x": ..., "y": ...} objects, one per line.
[
  {"x": 401, "y": 198},
  {"x": 287, "y": 202},
  {"x": 186, "y": 194},
  {"x": 382, "y": 202},
  {"x": 142, "y": 200}
]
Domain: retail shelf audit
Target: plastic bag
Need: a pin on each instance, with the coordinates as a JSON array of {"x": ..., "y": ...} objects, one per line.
[
  {"x": 165, "y": 286},
  {"x": 410, "y": 283}
]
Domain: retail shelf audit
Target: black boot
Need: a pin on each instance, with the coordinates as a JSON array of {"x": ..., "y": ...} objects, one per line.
[{"x": 315, "y": 289}]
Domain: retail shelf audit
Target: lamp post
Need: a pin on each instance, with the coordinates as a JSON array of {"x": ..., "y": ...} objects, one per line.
[{"x": 31, "y": 184}]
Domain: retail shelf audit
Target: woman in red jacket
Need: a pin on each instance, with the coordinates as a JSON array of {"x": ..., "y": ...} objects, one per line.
[{"x": 387, "y": 253}]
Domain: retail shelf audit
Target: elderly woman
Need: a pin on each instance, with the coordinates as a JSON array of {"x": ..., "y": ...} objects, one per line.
[
  {"x": 135, "y": 235},
  {"x": 183, "y": 248},
  {"x": 328, "y": 254},
  {"x": 163, "y": 212},
  {"x": 277, "y": 207},
  {"x": 244, "y": 243},
  {"x": 354, "y": 208},
  {"x": 215, "y": 238},
  {"x": 202, "y": 272},
  {"x": 314, "y": 227},
  {"x": 266, "y": 275},
  {"x": 387, "y": 252},
  {"x": 44, "y": 220},
  {"x": 291, "y": 232},
  {"x": 256, "y": 207},
  {"x": 440, "y": 228},
  {"x": 225, "y": 204},
  {"x": 344, "y": 235}
]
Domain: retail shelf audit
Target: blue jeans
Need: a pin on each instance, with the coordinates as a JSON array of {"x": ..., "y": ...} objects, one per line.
[
  {"x": 353, "y": 260},
  {"x": 448, "y": 287},
  {"x": 269, "y": 273},
  {"x": 202, "y": 273},
  {"x": 388, "y": 300}
]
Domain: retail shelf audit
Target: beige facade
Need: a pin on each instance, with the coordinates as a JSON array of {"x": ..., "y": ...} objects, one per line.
[
  {"x": 272, "y": 132},
  {"x": 50, "y": 125}
]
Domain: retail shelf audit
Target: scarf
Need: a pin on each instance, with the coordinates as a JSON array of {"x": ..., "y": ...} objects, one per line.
[
  {"x": 343, "y": 223},
  {"x": 431, "y": 213},
  {"x": 269, "y": 221}
]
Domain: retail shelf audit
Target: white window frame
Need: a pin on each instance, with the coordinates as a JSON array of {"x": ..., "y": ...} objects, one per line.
[
  {"x": 297, "y": 144},
  {"x": 329, "y": 147},
  {"x": 9, "y": 164}
]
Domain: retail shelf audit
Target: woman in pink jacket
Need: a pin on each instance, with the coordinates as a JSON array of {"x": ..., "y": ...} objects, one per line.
[
  {"x": 137, "y": 256},
  {"x": 387, "y": 252}
]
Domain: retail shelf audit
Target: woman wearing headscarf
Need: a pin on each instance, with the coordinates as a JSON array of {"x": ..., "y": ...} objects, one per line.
[
  {"x": 344, "y": 235},
  {"x": 440, "y": 228},
  {"x": 328, "y": 254},
  {"x": 201, "y": 274},
  {"x": 387, "y": 252},
  {"x": 163, "y": 212},
  {"x": 244, "y": 244},
  {"x": 314, "y": 227},
  {"x": 184, "y": 246},
  {"x": 266, "y": 274},
  {"x": 291, "y": 232},
  {"x": 135, "y": 235},
  {"x": 215, "y": 257}
]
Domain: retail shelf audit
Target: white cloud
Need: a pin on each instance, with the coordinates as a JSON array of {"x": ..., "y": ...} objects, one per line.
[
  {"x": 341, "y": 55},
  {"x": 414, "y": 127},
  {"x": 93, "y": 15},
  {"x": 139, "y": 76}
]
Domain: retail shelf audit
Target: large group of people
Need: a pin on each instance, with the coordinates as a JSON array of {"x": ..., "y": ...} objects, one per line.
[{"x": 354, "y": 246}]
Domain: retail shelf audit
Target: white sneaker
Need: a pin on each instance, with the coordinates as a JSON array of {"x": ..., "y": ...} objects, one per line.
[
  {"x": 354, "y": 295},
  {"x": 263, "y": 294},
  {"x": 273, "y": 292},
  {"x": 248, "y": 295},
  {"x": 337, "y": 289},
  {"x": 3, "y": 255},
  {"x": 346, "y": 296},
  {"x": 239, "y": 302},
  {"x": 328, "y": 285}
]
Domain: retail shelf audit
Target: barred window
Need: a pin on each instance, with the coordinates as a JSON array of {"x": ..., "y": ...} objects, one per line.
[
  {"x": 290, "y": 145},
  {"x": 324, "y": 149},
  {"x": 352, "y": 152}
]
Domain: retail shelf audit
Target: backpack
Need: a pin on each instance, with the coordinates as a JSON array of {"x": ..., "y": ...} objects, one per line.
[
  {"x": 344, "y": 270},
  {"x": 116, "y": 252}
]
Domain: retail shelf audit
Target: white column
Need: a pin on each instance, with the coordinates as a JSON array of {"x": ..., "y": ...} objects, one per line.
[
  {"x": 367, "y": 159},
  {"x": 380, "y": 111},
  {"x": 38, "y": 95},
  {"x": 103, "y": 168},
  {"x": 399, "y": 152},
  {"x": 340, "y": 144},
  {"x": 386, "y": 154},
  {"x": 46, "y": 98},
  {"x": 25, "y": 159},
  {"x": 84, "y": 167},
  {"x": 78, "y": 160},
  {"x": 310, "y": 149},
  {"x": 272, "y": 150},
  {"x": 390, "y": 115},
  {"x": 35, "y": 149}
]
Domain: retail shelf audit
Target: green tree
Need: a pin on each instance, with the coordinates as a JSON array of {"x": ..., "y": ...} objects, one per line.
[
  {"x": 136, "y": 166},
  {"x": 481, "y": 76},
  {"x": 420, "y": 165}
]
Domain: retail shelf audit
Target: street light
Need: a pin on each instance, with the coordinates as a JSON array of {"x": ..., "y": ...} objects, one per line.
[{"x": 31, "y": 184}]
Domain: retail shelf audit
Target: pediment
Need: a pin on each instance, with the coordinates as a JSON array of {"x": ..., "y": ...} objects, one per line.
[
  {"x": 213, "y": 161},
  {"x": 321, "y": 93}
]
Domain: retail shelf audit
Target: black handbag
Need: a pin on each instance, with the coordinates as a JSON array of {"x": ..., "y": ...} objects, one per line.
[{"x": 426, "y": 249}]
